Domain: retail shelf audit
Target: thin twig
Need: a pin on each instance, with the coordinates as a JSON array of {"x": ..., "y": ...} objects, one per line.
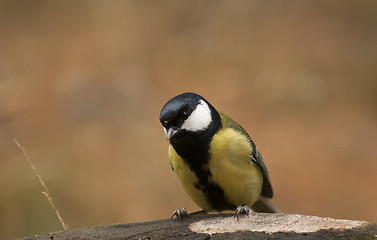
[{"x": 46, "y": 192}]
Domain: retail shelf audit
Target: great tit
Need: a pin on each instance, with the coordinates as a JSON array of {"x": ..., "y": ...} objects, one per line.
[{"x": 214, "y": 158}]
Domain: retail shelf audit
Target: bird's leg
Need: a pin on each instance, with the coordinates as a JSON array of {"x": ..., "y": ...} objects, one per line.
[
  {"x": 180, "y": 214},
  {"x": 244, "y": 209}
]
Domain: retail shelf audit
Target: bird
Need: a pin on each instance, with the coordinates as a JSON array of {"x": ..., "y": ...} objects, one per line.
[{"x": 216, "y": 161}]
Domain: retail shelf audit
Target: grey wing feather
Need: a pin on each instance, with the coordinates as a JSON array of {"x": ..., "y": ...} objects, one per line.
[{"x": 258, "y": 159}]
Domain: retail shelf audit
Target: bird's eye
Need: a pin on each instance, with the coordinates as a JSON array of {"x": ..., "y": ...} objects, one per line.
[
  {"x": 185, "y": 115},
  {"x": 165, "y": 123}
]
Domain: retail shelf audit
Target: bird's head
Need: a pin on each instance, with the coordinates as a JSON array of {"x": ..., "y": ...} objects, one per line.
[{"x": 187, "y": 113}]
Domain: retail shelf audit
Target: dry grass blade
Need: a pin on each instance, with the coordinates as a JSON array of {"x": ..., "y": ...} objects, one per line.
[{"x": 46, "y": 192}]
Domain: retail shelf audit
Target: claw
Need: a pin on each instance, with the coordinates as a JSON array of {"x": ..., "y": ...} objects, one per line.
[
  {"x": 242, "y": 210},
  {"x": 180, "y": 214}
]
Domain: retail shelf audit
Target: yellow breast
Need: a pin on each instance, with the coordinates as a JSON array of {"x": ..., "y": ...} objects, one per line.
[{"x": 232, "y": 168}]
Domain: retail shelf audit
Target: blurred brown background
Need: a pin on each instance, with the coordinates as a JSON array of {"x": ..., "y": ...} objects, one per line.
[{"x": 82, "y": 84}]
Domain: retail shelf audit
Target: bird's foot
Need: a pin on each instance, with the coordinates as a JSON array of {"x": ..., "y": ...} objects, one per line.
[
  {"x": 180, "y": 214},
  {"x": 242, "y": 210}
]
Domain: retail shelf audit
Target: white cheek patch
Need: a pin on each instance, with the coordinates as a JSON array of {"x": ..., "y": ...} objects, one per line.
[{"x": 199, "y": 119}]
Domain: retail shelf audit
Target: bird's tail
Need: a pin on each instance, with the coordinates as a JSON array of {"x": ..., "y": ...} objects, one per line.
[{"x": 264, "y": 205}]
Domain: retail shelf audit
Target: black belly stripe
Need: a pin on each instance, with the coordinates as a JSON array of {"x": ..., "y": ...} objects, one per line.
[
  {"x": 213, "y": 192},
  {"x": 197, "y": 161}
]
